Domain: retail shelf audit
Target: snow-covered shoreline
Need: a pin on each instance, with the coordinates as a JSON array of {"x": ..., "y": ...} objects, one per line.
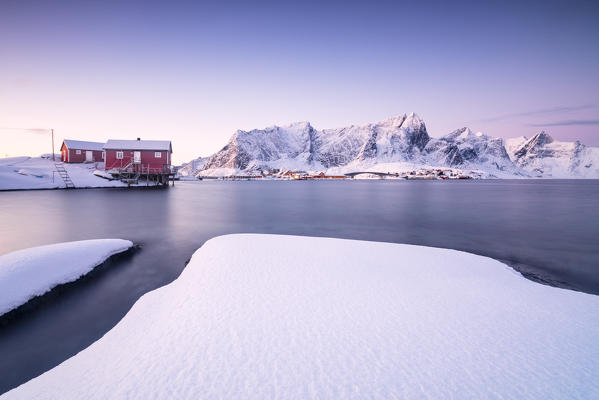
[
  {"x": 268, "y": 316},
  {"x": 39, "y": 173},
  {"x": 28, "y": 273}
]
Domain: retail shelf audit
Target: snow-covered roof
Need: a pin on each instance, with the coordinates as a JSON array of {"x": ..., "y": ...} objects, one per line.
[
  {"x": 164, "y": 145},
  {"x": 81, "y": 145}
]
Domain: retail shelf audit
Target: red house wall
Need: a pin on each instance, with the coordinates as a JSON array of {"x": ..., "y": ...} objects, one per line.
[
  {"x": 147, "y": 159},
  {"x": 71, "y": 156}
]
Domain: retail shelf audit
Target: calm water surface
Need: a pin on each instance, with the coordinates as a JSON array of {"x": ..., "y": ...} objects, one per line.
[{"x": 546, "y": 228}]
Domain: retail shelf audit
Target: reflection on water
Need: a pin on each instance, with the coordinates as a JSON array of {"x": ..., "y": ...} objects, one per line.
[{"x": 548, "y": 228}]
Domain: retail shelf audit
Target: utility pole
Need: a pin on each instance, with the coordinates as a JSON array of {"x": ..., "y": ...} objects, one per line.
[{"x": 53, "y": 145}]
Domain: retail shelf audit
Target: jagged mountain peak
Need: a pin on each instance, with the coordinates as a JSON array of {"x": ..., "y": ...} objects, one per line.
[
  {"x": 413, "y": 120},
  {"x": 458, "y": 133},
  {"x": 395, "y": 121},
  {"x": 533, "y": 145},
  {"x": 406, "y": 121},
  {"x": 294, "y": 126},
  {"x": 542, "y": 138},
  {"x": 465, "y": 133},
  {"x": 298, "y": 125}
]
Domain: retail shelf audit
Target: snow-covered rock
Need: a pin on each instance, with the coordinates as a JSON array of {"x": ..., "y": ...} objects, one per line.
[
  {"x": 260, "y": 316},
  {"x": 27, "y": 273},
  {"x": 545, "y": 157}
]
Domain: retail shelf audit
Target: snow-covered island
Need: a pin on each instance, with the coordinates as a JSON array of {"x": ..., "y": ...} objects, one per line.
[
  {"x": 40, "y": 173},
  {"x": 27, "y": 273},
  {"x": 263, "y": 316}
]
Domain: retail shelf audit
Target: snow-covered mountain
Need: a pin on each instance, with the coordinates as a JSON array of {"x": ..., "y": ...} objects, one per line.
[
  {"x": 300, "y": 146},
  {"x": 401, "y": 138},
  {"x": 398, "y": 144},
  {"x": 465, "y": 149},
  {"x": 545, "y": 157},
  {"x": 512, "y": 144},
  {"x": 289, "y": 145},
  {"x": 193, "y": 167}
]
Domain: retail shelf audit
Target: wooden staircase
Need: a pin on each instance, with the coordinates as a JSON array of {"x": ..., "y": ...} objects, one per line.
[
  {"x": 64, "y": 175},
  {"x": 132, "y": 173},
  {"x": 128, "y": 175}
]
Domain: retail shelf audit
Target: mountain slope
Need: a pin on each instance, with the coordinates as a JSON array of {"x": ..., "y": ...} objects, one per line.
[
  {"x": 466, "y": 149},
  {"x": 256, "y": 148},
  {"x": 545, "y": 157},
  {"x": 193, "y": 167}
]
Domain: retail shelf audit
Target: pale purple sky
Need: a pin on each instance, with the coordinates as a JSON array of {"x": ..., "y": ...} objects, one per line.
[{"x": 194, "y": 73}]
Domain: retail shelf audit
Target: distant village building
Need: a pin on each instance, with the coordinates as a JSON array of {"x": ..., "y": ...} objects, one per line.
[
  {"x": 139, "y": 155},
  {"x": 77, "y": 151}
]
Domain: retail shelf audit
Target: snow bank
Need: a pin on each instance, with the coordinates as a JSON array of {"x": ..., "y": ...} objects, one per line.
[
  {"x": 32, "y": 272},
  {"x": 40, "y": 173},
  {"x": 259, "y": 316}
]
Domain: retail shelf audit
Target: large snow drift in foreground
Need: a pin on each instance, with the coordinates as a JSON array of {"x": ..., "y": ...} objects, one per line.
[
  {"x": 257, "y": 316},
  {"x": 32, "y": 272}
]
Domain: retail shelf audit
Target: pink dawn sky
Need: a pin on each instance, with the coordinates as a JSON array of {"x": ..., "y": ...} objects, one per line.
[{"x": 195, "y": 73}]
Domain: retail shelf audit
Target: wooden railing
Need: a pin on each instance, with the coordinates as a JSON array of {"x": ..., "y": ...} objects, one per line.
[{"x": 141, "y": 168}]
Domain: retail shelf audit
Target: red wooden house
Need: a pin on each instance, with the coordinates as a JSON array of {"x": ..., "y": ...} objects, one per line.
[
  {"x": 146, "y": 156},
  {"x": 77, "y": 151}
]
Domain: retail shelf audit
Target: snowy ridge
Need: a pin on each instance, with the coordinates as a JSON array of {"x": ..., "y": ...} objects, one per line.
[
  {"x": 32, "y": 272},
  {"x": 266, "y": 316},
  {"x": 545, "y": 157},
  {"x": 193, "y": 167},
  {"x": 467, "y": 149},
  {"x": 397, "y": 143}
]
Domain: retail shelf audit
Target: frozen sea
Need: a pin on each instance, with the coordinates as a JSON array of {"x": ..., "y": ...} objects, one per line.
[{"x": 547, "y": 229}]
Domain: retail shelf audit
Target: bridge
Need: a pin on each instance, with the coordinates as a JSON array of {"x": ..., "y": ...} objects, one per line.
[{"x": 382, "y": 175}]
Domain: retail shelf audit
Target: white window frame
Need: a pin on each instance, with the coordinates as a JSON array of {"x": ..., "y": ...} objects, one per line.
[
  {"x": 103, "y": 155},
  {"x": 157, "y": 154},
  {"x": 119, "y": 155},
  {"x": 78, "y": 152}
]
